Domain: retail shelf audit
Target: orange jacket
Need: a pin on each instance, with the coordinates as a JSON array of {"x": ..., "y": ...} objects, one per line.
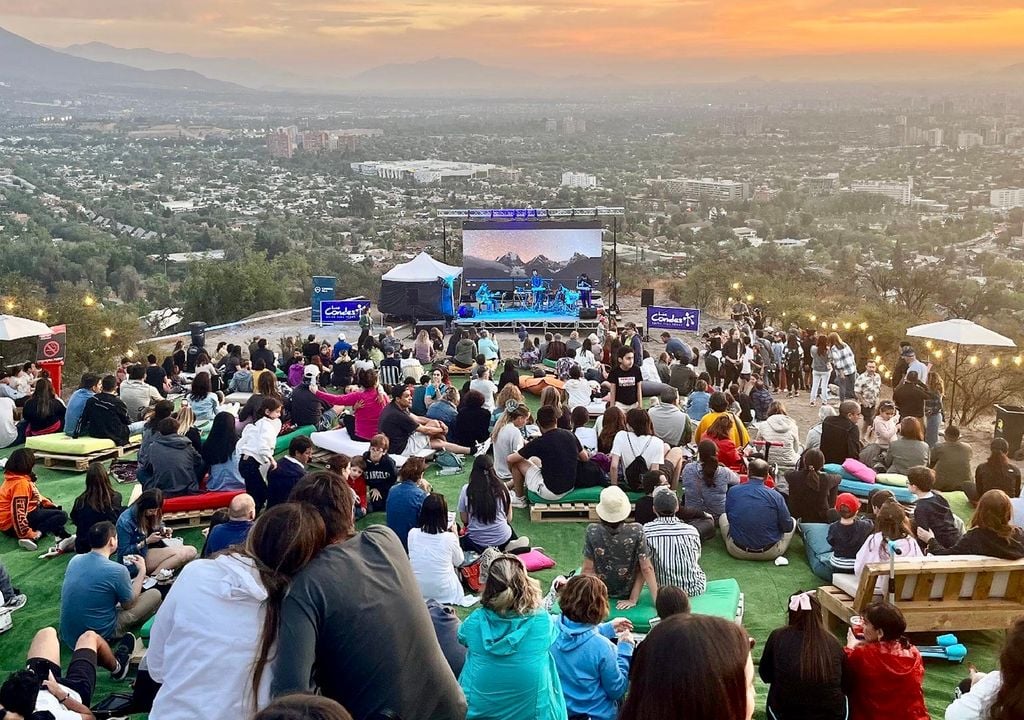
[{"x": 18, "y": 497}]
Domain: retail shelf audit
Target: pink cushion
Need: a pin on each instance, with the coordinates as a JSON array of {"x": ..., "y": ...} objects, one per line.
[
  {"x": 203, "y": 501},
  {"x": 536, "y": 560},
  {"x": 859, "y": 470}
]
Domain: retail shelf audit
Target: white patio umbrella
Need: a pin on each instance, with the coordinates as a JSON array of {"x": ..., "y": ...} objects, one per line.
[
  {"x": 15, "y": 328},
  {"x": 960, "y": 332}
]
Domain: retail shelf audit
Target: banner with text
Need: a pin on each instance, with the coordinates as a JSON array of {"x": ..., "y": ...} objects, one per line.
[
  {"x": 323, "y": 289},
  {"x": 333, "y": 311},
  {"x": 673, "y": 318}
]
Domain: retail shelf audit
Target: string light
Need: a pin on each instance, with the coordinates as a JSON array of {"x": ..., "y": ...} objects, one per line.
[
  {"x": 88, "y": 301},
  {"x": 129, "y": 353},
  {"x": 863, "y": 326},
  {"x": 973, "y": 359},
  {"x": 1017, "y": 360},
  {"x": 928, "y": 344},
  {"x": 888, "y": 376},
  {"x": 108, "y": 333},
  {"x": 995, "y": 362},
  {"x": 873, "y": 350},
  {"x": 847, "y": 325},
  {"x": 750, "y": 298},
  {"x": 730, "y": 299},
  {"x": 813, "y": 318},
  {"x": 871, "y": 338},
  {"x": 9, "y": 305},
  {"x": 824, "y": 325},
  {"x": 937, "y": 354},
  {"x": 735, "y": 286},
  {"x": 40, "y": 312},
  {"x": 835, "y": 326}
]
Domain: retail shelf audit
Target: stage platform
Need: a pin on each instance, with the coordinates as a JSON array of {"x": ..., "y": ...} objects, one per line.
[{"x": 533, "y": 320}]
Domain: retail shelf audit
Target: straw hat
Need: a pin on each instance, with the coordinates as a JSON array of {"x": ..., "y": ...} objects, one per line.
[{"x": 613, "y": 506}]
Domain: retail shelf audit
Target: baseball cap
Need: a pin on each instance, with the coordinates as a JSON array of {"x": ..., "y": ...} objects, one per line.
[
  {"x": 341, "y": 336},
  {"x": 848, "y": 501},
  {"x": 310, "y": 372}
]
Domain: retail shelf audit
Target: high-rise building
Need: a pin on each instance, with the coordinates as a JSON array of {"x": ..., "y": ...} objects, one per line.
[
  {"x": 315, "y": 141},
  {"x": 934, "y": 137},
  {"x": 821, "y": 184},
  {"x": 578, "y": 180},
  {"x": 707, "y": 189},
  {"x": 1006, "y": 198},
  {"x": 967, "y": 140},
  {"x": 280, "y": 144},
  {"x": 902, "y": 193}
]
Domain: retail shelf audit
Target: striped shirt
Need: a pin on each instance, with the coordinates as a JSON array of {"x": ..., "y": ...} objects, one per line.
[{"x": 674, "y": 549}]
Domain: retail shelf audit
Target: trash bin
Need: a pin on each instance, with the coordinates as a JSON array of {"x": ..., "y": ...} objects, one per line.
[{"x": 1010, "y": 425}]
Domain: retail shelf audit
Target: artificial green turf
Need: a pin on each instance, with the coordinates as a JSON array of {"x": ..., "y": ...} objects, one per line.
[{"x": 766, "y": 587}]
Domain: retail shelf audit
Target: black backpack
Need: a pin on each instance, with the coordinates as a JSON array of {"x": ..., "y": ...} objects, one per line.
[{"x": 635, "y": 470}]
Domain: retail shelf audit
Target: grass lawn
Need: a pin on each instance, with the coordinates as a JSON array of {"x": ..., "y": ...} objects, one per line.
[{"x": 766, "y": 587}]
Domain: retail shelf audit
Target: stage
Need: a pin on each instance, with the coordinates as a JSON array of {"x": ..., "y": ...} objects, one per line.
[{"x": 512, "y": 318}]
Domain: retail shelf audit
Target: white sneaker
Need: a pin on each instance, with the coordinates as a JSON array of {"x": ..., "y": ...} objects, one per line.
[
  {"x": 15, "y": 603},
  {"x": 26, "y": 544},
  {"x": 521, "y": 544},
  {"x": 519, "y": 501},
  {"x": 482, "y": 448},
  {"x": 67, "y": 544}
]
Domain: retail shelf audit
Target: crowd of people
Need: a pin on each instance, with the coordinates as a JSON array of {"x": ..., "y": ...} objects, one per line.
[{"x": 254, "y": 621}]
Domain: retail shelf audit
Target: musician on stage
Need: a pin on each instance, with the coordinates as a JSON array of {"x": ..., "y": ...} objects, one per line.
[
  {"x": 538, "y": 290},
  {"x": 484, "y": 298},
  {"x": 585, "y": 286}
]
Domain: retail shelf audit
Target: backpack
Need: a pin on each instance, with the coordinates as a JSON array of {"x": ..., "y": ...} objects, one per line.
[
  {"x": 635, "y": 470},
  {"x": 448, "y": 459}
]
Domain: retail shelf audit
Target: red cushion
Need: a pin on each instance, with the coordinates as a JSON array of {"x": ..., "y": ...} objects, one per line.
[{"x": 203, "y": 501}]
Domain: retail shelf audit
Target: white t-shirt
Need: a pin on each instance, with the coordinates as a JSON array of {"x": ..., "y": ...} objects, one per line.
[
  {"x": 748, "y": 355},
  {"x": 628, "y": 446},
  {"x": 434, "y": 558},
  {"x": 649, "y": 371},
  {"x": 585, "y": 359},
  {"x": 579, "y": 392},
  {"x": 509, "y": 440},
  {"x": 487, "y": 388},
  {"x": 8, "y": 428},
  {"x": 975, "y": 704},
  {"x": 588, "y": 438},
  {"x": 46, "y": 702}
]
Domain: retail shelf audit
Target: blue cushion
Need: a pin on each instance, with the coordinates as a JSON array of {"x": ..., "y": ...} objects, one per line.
[
  {"x": 819, "y": 552},
  {"x": 862, "y": 490}
]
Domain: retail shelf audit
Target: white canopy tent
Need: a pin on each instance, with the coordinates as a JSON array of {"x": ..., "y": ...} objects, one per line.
[
  {"x": 421, "y": 268},
  {"x": 422, "y": 288}
]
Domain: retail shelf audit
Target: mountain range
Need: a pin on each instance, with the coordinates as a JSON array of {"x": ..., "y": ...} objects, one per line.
[
  {"x": 25, "y": 63},
  {"x": 511, "y": 266}
]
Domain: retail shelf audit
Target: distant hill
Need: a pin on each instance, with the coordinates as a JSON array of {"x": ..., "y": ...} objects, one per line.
[
  {"x": 241, "y": 71},
  {"x": 25, "y": 62},
  {"x": 441, "y": 73}
]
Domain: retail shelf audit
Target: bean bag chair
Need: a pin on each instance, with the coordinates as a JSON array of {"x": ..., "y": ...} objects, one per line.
[
  {"x": 284, "y": 440},
  {"x": 893, "y": 480},
  {"x": 579, "y": 495},
  {"x": 535, "y": 386},
  {"x": 721, "y": 599},
  {"x": 202, "y": 501},
  {"x": 859, "y": 470},
  {"x": 862, "y": 490},
  {"x": 819, "y": 552}
]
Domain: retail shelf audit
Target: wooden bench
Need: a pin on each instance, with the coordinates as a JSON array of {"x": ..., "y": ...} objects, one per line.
[{"x": 940, "y": 595}]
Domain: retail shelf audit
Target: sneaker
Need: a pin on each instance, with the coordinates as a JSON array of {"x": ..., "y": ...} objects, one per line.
[
  {"x": 67, "y": 544},
  {"x": 123, "y": 653},
  {"x": 54, "y": 551},
  {"x": 519, "y": 545},
  {"x": 482, "y": 448},
  {"x": 26, "y": 544},
  {"x": 518, "y": 501},
  {"x": 15, "y": 603}
]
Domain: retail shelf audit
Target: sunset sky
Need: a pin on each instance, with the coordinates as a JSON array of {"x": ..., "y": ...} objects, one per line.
[{"x": 624, "y": 36}]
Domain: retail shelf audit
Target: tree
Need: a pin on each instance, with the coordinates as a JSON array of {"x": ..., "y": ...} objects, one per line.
[{"x": 217, "y": 292}]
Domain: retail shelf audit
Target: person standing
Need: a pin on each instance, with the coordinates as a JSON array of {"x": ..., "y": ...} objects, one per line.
[
  {"x": 844, "y": 364},
  {"x": 933, "y": 408},
  {"x": 910, "y": 396},
  {"x": 256, "y": 449},
  {"x": 866, "y": 389},
  {"x": 367, "y": 643}
]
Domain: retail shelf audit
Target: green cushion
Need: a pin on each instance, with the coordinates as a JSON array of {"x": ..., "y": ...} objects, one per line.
[
  {"x": 281, "y": 374},
  {"x": 550, "y": 363},
  {"x": 146, "y": 630},
  {"x": 893, "y": 479},
  {"x": 584, "y": 495},
  {"x": 65, "y": 445},
  {"x": 722, "y": 599},
  {"x": 284, "y": 440}
]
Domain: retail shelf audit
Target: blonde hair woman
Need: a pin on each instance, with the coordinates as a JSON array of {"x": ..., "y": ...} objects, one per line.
[
  {"x": 422, "y": 348},
  {"x": 187, "y": 427},
  {"x": 509, "y": 671},
  {"x": 508, "y": 438}
]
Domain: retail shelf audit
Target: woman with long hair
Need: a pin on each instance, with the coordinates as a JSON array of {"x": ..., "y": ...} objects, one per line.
[
  {"x": 528, "y": 355},
  {"x": 884, "y": 671},
  {"x": 99, "y": 503},
  {"x": 434, "y": 552},
  {"x": 437, "y": 339},
  {"x": 792, "y": 360},
  {"x": 220, "y": 455},
  {"x": 696, "y": 667},
  {"x": 553, "y": 396},
  {"x": 368, "y": 403},
  {"x": 423, "y": 348},
  {"x": 721, "y": 434},
  {"x": 706, "y": 481},
  {"x": 812, "y": 493},
  {"x": 996, "y": 473},
  {"x": 472, "y": 421},
  {"x": 891, "y": 525},
  {"x": 803, "y": 665},
  {"x": 205, "y": 364},
  {"x": 509, "y": 671},
  {"x": 485, "y": 509},
  {"x": 908, "y": 449},
  {"x": 593, "y": 671},
  {"x": 933, "y": 408},
  {"x": 996, "y": 695},
  {"x": 781, "y": 430},
  {"x": 508, "y": 395},
  {"x": 201, "y": 399},
  {"x": 43, "y": 412},
  {"x": 266, "y": 386},
  {"x": 25, "y": 513},
  {"x": 187, "y": 427},
  {"x": 821, "y": 369},
  {"x": 206, "y": 666},
  {"x": 989, "y": 533},
  {"x": 140, "y": 531},
  {"x": 438, "y": 386},
  {"x": 608, "y": 426},
  {"x": 507, "y": 437},
  {"x": 639, "y": 441},
  {"x": 509, "y": 375}
]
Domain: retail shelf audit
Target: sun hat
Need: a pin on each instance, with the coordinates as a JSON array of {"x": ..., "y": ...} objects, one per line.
[{"x": 613, "y": 507}]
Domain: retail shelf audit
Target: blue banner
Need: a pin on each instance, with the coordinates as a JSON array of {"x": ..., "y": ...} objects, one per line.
[
  {"x": 673, "y": 318},
  {"x": 333, "y": 311},
  {"x": 323, "y": 289}
]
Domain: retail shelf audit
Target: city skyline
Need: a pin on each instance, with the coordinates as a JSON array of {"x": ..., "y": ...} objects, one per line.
[{"x": 633, "y": 40}]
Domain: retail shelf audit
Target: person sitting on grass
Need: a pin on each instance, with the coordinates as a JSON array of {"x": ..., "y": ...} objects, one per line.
[
  {"x": 848, "y": 534},
  {"x": 485, "y": 508},
  {"x": 616, "y": 551},
  {"x": 282, "y": 479},
  {"x": 434, "y": 552},
  {"x": 473, "y": 421},
  {"x": 379, "y": 471},
  {"x": 594, "y": 672},
  {"x": 406, "y": 498},
  {"x": 140, "y": 531},
  {"x": 43, "y": 690},
  {"x": 990, "y": 533},
  {"x": 99, "y": 502},
  {"x": 234, "y": 532},
  {"x": 757, "y": 524},
  {"x": 25, "y": 513},
  {"x": 100, "y": 595},
  {"x": 996, "y": 695},
  {"x": 674, "y": 546},
  {"x": 410, "y": 434}
]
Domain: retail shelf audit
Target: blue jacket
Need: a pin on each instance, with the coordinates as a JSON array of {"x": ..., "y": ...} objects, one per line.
[
  {"x": 233, "y": 532},
  {"x": 131, "y": 540},
  {"x": 282, "y": 479},
  {"x": 697, "y": 405},
  {"x": 76, "y": 406},
  {"x": 403, "y": 509},
  {"x": 758, "y": 516},
  {"x": 509, "y": 672},
  {"x": 594, "y": 671}
]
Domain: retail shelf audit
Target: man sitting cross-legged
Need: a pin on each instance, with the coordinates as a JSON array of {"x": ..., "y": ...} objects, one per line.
[
  {"x": 549, "y": 465},
  {"x": 99, "y": 595},
  {"x": 409, "y": 434},
  {"x": 43, "y": 688},
  {"x": 756, "y": 524}
]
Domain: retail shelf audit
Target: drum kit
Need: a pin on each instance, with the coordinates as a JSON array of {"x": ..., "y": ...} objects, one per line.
[{"x": 542, "y": 299}]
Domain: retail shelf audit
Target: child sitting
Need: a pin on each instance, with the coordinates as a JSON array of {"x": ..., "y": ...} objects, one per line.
[
  {"x": 891, "y": 526},
  {"x": 847, "y": 534},
  {"x": 586, "y": 435},
  {"x": 342, "y": 465},
  {"x": 931, "y": 511}
]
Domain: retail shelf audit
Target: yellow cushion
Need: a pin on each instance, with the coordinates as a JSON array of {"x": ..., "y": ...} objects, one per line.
[{"x": 62, "y": 444}]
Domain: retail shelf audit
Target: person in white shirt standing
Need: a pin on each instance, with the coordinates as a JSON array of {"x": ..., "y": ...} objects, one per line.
[{"x": 212, "y": 639}]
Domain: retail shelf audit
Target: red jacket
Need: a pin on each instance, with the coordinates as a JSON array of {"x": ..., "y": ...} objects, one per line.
[
  {"x": 728, "y": 455},
  {"x": 884, "y": 682},
  {"x": 18, "y": 497}
]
